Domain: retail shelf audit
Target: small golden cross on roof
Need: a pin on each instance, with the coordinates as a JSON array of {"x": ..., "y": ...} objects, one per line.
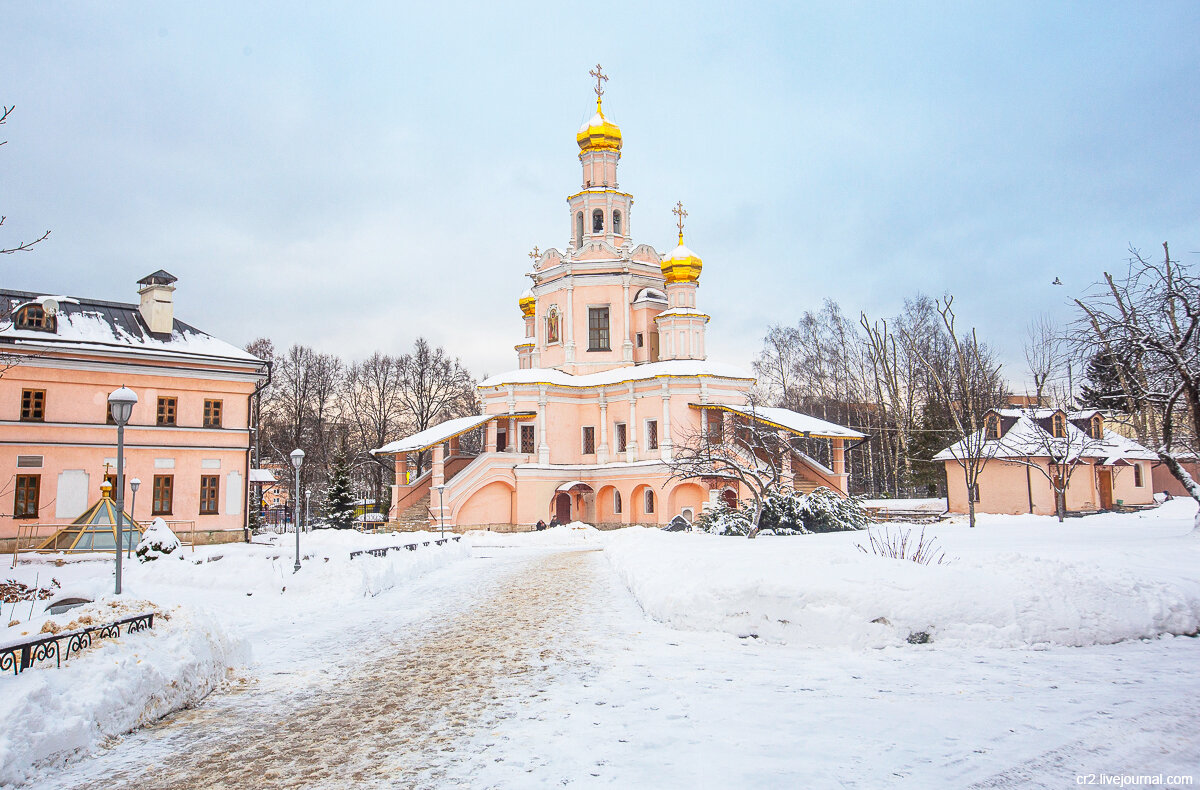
[
  {"x": 535, "y": 254},
  {"x": 106, "y": 465},
  {"x": 680, "y": 213},
  {"x": 601, "y": 78}
]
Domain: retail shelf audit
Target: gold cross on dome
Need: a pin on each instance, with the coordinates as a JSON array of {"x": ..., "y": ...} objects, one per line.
[
  {"x": 680, "y": 213},
  {"x": 106, "y": 466},
  {"x": 601, "y": 78},
  {"x": 535, "y": 254}
]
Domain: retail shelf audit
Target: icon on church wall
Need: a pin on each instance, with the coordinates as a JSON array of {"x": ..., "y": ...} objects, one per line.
[{"x": 553, "y": 323}]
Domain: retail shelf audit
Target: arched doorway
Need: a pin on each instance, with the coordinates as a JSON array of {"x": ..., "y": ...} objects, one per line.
[
  {"x": 729, "y": 497},
  {"x": 574, "y": 501},
  {"x": 562, "y": 507}
]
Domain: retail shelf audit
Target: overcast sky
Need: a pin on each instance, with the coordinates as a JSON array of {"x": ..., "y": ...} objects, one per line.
[{"x": 351, "y": 176}]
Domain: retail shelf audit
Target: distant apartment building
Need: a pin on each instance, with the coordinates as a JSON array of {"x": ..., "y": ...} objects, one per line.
[{"x": 188, "y": 439}]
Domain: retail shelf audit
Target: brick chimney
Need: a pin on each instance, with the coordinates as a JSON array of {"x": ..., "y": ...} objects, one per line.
[{"x": 158, "y": 302}]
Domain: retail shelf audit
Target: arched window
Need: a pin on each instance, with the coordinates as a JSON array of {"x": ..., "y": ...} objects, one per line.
[
  {"x": 649, "y": 500},
  {"x": 597, "y": 221},
  {"x": 1058, "y": 426},
  {"x": 32, "y": 316},
  {"x": 1097, "y": 427},
  {"x": 616, "y": 501},
  {"x": 992, "y": 426},
  {"x": 579, "y": 230},
  {"x": 617, "y": 222}
]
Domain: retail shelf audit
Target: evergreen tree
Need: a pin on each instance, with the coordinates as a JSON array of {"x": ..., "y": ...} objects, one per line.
[
  {"x": 1103, "y": 389},
  {"x": 339, "y": 500}
]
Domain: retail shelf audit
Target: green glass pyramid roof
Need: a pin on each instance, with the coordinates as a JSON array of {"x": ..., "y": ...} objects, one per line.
[{"x": 96, "y": 529}]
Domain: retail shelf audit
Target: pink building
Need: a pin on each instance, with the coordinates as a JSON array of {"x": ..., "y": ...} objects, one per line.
[
  {"x": 612, "y": 373},
  {"x": 187, "y": 441},
  {"x": 1024, "y": 446}
]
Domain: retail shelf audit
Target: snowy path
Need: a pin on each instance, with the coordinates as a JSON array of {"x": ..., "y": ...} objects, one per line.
[{"x": 530, "y": 669}]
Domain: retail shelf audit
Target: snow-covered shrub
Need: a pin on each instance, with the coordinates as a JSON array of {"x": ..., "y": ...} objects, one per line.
[
  {"x": 723, "y": 520},
  {"x": 157, "y": 541},
  {"x": 826, "y": 511},
  {"x": 783, "y": 513}
]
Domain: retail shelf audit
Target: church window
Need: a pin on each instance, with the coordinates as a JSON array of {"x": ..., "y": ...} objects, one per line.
[
  {"x": 553, "y": 324},
  {"x": 651, "y": 434},
  {"x": 649, "y": 501},
  {"x": 527, "y": 439},
  {"x": 597, "y": 221},
  {"x": 640, "y": 340},
  {"x": 589, "y": 440},
  {"x": 579, "y": 230},
  {"x": 33, "y": 405},
  {"x": 1096, "y": 427},
  {"x": 622, "y": 437},
  {"x": 1058, "y": 426},
  {"x": 617, "y": 222},
  {"x": 25, "y": 504},
  {"x": 598, "y": 329},
  {"x": 716, "y": 427},
  {"x": 33, "y": 316},
  {"x": 616, "y": 501}
]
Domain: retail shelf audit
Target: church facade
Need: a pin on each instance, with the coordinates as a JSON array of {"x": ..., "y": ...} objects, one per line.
[{"x": 612, "y": 375}]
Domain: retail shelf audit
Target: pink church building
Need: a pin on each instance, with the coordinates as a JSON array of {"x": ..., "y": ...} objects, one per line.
[
  {"x": 187, "y": 441},
  {"x": 612, "y": 373}
]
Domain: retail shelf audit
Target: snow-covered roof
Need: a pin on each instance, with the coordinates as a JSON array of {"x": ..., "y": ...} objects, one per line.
[
  {"x": 262, "y": 476},
  {"x": 789, "y": 420},
  {"x": 672, "y": 368},
  {"x": 435, "y": 435},
  {"x": 441, "y": 432},
  {"x": 94, "y": 326},
  {"x": 1027, "y": 439}
]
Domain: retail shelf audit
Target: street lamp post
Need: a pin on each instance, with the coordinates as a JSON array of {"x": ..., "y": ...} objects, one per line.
[
  {"x": 442, "y": 510},
  {"x": 133, "y": 486},
  {"x": 307, "y": 508},
  {"x": 120, "y": 403},
  {"x": 297, "y": 459}
]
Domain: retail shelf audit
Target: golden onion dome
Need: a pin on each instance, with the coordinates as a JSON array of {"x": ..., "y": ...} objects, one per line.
[
  {"x": 599, "y": 133},
  {"x": 681, "y": 265},
  {"x": 527, "y": 302}
]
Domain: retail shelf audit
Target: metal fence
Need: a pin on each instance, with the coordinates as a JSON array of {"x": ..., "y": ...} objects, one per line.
[{"x": 22, "y": 655}]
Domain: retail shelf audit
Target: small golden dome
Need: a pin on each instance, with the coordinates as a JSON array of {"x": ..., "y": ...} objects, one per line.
[
  {"x": 681, "y": 265},
  {"x": 527, "y": 302},
  {"x": 599, "y": 133}
]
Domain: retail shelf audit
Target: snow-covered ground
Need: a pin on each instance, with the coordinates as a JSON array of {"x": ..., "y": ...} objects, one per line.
[
  {"x": 626, "y": 659},
  {"x": 226, "y": 607}
]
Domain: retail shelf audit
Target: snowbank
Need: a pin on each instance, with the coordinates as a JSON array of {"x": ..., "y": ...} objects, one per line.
[
  {"x": 1014, "y": 581},
  {"x": 219, "y": 601},
  {"x": 112, "y": 687},
  {"x": 576, "y": 533}
]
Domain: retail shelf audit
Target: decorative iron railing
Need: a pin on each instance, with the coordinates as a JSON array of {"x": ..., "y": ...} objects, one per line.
[
  {"x": 21, "y": 656},
  {"x": 383, "y": 550}
]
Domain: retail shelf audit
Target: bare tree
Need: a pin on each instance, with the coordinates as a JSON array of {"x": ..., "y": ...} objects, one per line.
[
  {"x": 1063, "y": 454},
  {"x": 1042, "y": 358},
  {"x": 1151, "y": 315},
  {"x": 374, "y": 410},
  {"x": 968, "y": 388},
  {"x": 433, "y": 388},
  {"x": 745, "y": 451},
  {"x": 23, "y": 246}
]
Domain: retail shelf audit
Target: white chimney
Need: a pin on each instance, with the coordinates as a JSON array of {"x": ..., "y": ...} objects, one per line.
[{"x": 158, "y": 302}]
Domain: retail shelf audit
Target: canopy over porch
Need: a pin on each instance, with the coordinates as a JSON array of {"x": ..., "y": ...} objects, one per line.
[{"x": 787, "y": 420}]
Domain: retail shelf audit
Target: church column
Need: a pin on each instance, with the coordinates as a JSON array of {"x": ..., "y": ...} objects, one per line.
[
  {"x": 602, "y": 450},
  {"x": 789, "y": 480},
  {"x": 664, "y": 442},
  {"x": 837, "y": 456},
  {"x": 439, "y": 465},
  {"x": 627, "y": 346},
  {"x": 490, "y": 445},
  {"x": 631, "y": 430},
  {"x": 543, "y": 447},
  {"x": 570, "y": 321}
]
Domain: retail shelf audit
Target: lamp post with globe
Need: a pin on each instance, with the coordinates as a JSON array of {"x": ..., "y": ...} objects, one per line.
[
  {"x": 297, "y": 459},
  {"x": 120, "y": 403}
]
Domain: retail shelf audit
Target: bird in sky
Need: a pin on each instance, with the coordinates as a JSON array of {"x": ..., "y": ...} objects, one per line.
[{"x": 1057, "y": 281}]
